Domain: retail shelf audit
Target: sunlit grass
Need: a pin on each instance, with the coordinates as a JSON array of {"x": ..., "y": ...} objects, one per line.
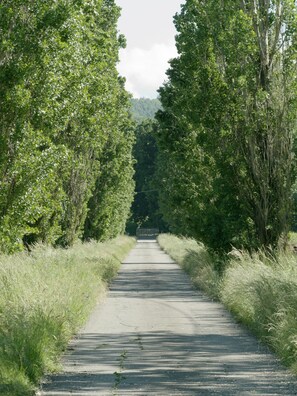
[
  {"x": 262, "y": 293},
  {"x": 45, "y": 297}
]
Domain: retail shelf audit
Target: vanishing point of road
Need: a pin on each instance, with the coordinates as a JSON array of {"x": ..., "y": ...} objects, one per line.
[{"x": 155, "y": 335}]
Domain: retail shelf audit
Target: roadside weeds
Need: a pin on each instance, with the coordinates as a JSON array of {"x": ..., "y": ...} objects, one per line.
[
  {"x": 260, "y": 291},
  {"x": 45, "y": 297}
]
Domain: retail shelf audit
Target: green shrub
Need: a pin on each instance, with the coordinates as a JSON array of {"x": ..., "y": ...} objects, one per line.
[{"x": 45, "y": 297}]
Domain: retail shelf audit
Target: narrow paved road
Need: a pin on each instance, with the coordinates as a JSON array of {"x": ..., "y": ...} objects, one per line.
[{"x": 154, "y": 335}]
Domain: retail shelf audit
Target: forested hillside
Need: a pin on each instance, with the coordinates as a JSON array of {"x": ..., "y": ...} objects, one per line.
[
  {"x": 228, "y": 124},
  {"x": 66, "y": 135},
  {"x": 144, "y": 108}
]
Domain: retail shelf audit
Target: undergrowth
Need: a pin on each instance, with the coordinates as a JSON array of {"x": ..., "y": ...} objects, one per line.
[
  {"x": 260, "y": 291},
  {"x": 45, "y": 297}
]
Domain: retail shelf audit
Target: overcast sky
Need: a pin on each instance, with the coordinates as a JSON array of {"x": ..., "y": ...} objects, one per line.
[{"x": 149, "y": 30}]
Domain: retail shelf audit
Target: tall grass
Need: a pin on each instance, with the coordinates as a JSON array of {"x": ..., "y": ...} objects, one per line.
[
  {"x": 194, "y": 260},
  {"x": 260, "y": 291},
  {"x": 45, "y": 297}
]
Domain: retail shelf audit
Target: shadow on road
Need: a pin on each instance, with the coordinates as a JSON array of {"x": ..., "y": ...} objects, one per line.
[
  {"x": 155, "y": 336},
  {"x": 163, "y": 364}
]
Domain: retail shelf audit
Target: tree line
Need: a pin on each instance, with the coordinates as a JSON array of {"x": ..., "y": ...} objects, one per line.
[
  {"x": 226, "y": 135},
  {"x": 66, "y": 134},
  {"x": 217, "y": 164}
]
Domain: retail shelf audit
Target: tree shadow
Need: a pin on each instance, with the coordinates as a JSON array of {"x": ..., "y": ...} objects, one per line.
[
  {"x": 162, "y": 363},
  {"x": 206, "y": 354}
]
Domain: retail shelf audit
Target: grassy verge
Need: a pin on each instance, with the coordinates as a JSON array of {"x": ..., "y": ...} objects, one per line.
[
  {"x": 261, "y": 292},
  {"x": 194, "y": 260},
  {"x": 45, "y": 297}
]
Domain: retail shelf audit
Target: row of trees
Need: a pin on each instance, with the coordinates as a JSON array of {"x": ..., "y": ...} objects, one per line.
[
  {"x": 145, "y": 207},
  {"x": 226, "y": 135},
  {"x": 145, "y": 211},
  {"x": 66, "y": 135}
]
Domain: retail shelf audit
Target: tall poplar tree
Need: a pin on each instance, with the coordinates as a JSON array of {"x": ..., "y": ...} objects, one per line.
[
  {"x": 109, "y": 206},
  {"x": 228, "y": 122},
  {"x": 59, "y": 99},
  {"x": 31, "y": 191}
]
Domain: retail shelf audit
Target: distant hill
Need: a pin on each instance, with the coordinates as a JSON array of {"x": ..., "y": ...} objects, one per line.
[{"x": 144, "y": 108}]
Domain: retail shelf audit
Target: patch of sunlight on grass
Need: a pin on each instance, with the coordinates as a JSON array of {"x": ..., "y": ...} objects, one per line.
[{"x": 262, "y": 293}]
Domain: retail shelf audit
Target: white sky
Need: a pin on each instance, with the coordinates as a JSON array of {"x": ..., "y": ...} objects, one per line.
[{"x": 149, "y": 30}]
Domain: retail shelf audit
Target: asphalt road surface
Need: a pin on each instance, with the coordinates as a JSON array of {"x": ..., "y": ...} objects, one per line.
[{"x": 155, "y": 335}]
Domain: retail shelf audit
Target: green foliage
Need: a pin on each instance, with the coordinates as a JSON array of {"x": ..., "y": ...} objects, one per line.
[
  {"x": 227, "y": 124},
  {"x": 60, "y": 96},
  {"x": 44, "y": 298},
  {"x": 102, "y": 121},
  {"x": 109, "y": 207},
  {"x": 143, "y": 109},
  {"x": 31, "y": 190},
  {"x": 145, "y": 208}
]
